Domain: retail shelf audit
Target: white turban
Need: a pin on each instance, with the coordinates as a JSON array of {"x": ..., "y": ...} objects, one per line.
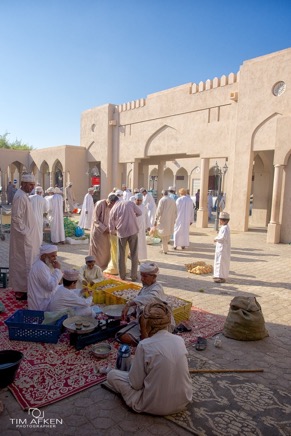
[
  {"x": 48, "y": 248},
  {"x": 57, "y": 191},
  {"x": 119, "y": 192},
  {"x": 38, "y": 189},
  {"x": 90, "y": 189},
  {"x": 50, "y": 189},
  {"x": 149, "y": 268},
  {"x": 28, "y": 178}
]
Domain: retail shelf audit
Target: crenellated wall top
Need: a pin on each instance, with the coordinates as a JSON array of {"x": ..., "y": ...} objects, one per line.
[{"x": 193, "y": 89}]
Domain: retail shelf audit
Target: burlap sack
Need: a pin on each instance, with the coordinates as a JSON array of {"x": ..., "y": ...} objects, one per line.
[{"x": 245, "y": 321}]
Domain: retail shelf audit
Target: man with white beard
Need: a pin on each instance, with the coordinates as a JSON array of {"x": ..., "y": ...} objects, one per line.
[
  {"x": 39, "y": 207},
  {"x": 87, "y": 210},
  {"x": 43, "y": 278}
]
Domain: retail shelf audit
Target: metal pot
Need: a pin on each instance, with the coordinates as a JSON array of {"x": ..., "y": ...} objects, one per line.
[{"x": 9, "y": 364}]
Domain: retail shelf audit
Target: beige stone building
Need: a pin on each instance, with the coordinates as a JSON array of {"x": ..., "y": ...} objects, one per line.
[{"x": 240, "y": 122}]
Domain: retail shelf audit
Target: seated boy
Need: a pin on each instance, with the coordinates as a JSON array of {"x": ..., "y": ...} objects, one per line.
[
  {"x": 90, "y": 273},
  {"x": 67, "y": 296}
]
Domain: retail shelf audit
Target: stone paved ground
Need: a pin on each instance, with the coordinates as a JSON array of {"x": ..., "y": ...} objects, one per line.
[{"x": 257, "y": 269}]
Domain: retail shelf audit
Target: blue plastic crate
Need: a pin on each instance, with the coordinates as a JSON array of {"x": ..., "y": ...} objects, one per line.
[{"x": 25, "y": 325}]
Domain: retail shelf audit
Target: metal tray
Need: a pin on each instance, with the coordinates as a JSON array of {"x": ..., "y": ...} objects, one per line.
[{"x": 70, "y": 324}]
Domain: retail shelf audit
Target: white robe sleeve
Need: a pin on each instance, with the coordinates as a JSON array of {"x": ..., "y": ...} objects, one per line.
[{"x": 137, "y": 372}]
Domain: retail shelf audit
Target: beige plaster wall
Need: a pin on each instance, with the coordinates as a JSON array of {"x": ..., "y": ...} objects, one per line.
[
  {"x": 74, "y": 164},
  {"x": 97, "y": 135},
  {"x": 286, "y": 205},
  {"x": 256, "y": 126},
  {"x": 162, "y": 125}
]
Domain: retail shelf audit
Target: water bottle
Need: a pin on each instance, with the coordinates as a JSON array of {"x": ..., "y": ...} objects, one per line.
[
  {"x": 123, "y": 360},
  {"x": 217, "y": 342}
]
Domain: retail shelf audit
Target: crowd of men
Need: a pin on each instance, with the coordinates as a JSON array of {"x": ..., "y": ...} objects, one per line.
[{"x": 118, "y": 226}]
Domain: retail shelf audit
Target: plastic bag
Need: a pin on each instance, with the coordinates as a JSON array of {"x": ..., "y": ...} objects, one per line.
[{"x": 79, "y": 232}]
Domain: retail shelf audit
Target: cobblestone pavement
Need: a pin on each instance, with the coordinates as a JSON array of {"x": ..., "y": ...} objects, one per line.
[{"x": 257, "y": 269}]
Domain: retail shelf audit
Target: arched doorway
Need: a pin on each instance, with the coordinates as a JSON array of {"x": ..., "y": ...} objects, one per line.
[
  {"x": 168, "y": 178},
  {"x": 44, "y": 175},
  {"x": 181, "y": 179},
  {"x": 58, "y": 174},
  {"x": 261, "y": 190}
]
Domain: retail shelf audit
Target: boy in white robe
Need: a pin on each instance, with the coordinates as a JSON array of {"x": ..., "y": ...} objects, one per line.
[
  {"x": 90, "y": 273},
  {"x": 222, "y": 250},
  {"x": 67, "y": 296}
]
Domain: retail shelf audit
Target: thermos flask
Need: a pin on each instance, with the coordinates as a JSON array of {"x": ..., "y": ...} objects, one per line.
[{"x": 123, "y": 360}]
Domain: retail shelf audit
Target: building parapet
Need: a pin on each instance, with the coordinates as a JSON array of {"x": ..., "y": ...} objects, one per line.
[{"x": 194, "y": 89}]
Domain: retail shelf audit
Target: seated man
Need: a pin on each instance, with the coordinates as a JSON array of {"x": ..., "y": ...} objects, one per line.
[
  {"x": 43, "y": 278},
  {"x": 68, "y": 297},
  {"x": 149, "y": 293},
  {"x": 158, "y": 381},
  {"x": 90, "y": 273}
]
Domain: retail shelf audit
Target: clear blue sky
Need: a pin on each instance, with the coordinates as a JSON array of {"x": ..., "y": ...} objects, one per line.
[{"x": 61, "y": 57}]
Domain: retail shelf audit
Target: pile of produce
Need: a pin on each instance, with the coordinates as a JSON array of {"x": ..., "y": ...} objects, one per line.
[
  {"x": 104, "y": 287},
  {"x": 70, "y": 227},
  {"x": 129, "y": 294},
  {"x": 199, "y": 268}
]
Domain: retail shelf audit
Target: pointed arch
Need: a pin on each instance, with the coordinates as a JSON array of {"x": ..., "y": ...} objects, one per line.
[
  {"x": 161, "y": 141},
  {"x": 168, "y": 178},
  {"x": 181, "y": 179},
  {"x": 263, "y": 136}
]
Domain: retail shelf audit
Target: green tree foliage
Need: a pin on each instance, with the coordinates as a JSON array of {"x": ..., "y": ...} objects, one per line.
[{"x": 13, "y": 145}]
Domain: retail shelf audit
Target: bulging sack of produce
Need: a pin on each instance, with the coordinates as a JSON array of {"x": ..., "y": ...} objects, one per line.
[
  {"x": 245, "y": 320},
  {"x": 79, "y": 232}
]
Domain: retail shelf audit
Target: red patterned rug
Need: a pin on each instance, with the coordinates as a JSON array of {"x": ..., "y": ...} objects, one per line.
[{"x": 51, "y": 372}]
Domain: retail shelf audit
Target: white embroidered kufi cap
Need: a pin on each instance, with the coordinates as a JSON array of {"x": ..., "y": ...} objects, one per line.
[
  {"x": 224, "y": 216},
  {"x": 71, "y": 274},
  {"x": 90, "y": 259},
  {"x": 28, "y": 178},
  {"x": 149, "y": 268}
]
